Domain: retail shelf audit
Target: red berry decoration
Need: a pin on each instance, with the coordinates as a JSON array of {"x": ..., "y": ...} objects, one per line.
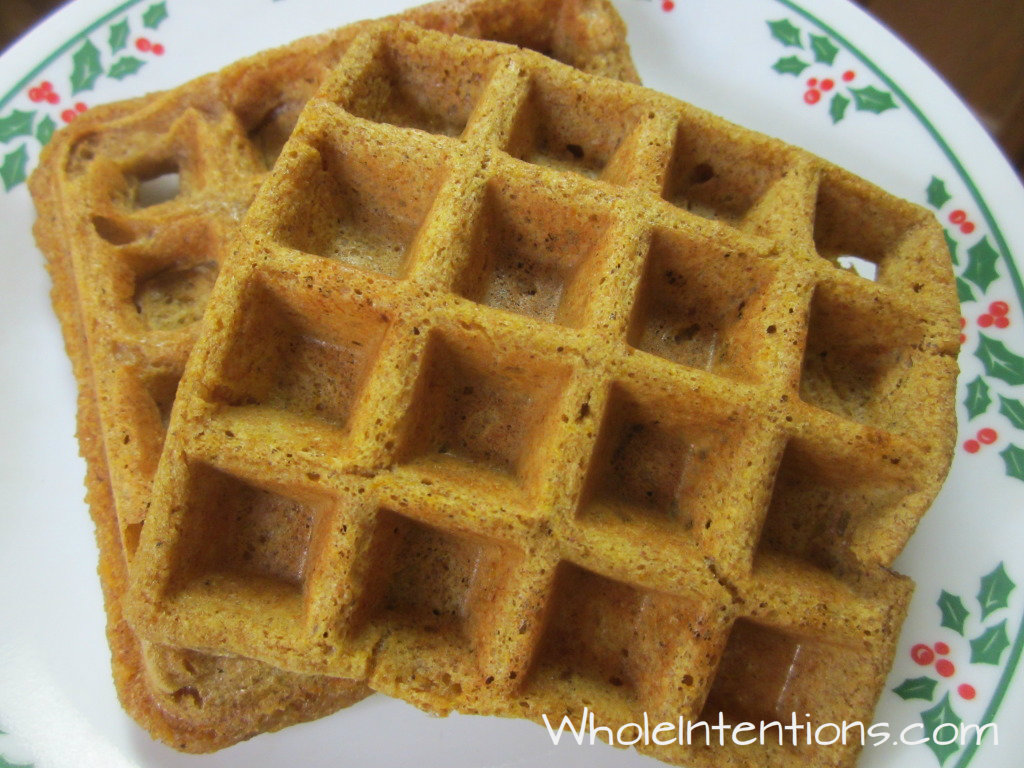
[
  {"x": 848, "y": 75},
  {"x": 967, "y": 691},
  {"x": 812, "y": 82},
  {"x": 945, "y": 667},
  {"x": 963, "y": 322},
  {"x": 812, "y": 96},
  {"x": 81, "y": 106},
  {"x": 827, "y": 84},
  {"x": 959, "y": 216},
  {"x": 922, "y": 654},
  {"x": 36, "y": 94},
  {"x": 68, "y": 115},
  {"x": 52, "y": 97},
  {"x": 941, "y": 648},
  {"x": 985, "y": 321},
  {"x": 972, "y": 446},
  {"x": 963, "y": 338},
  {"x": 158, "y": 48},
  {"x": 143, "y": 44},
  {"x": 1001, "y": 322},
  {"x": 999, "y": 308},
  {"x": 967, "y": 227},
  {"x": 987, "y": 436}
]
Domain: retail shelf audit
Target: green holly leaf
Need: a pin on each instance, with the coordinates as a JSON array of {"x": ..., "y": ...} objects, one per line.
[
  {"x": 942, "y": 714},
  {"x": 12, "y": 171},
  {"x": 17, "y": 123},
  {"x": 937, "y": 194},
  {"x": 963, "y": 291},
  {"x": 978, "y": 398},
  {"x": 790, "y": 65},
  {"x": 1013, "y": 458},
  {"x": 954, "y": 612},
  {"x": 1012, "y": 410},
  {"x": 824, "y": 49},
  {"x": 837, "y": 107},
  {"x": 995, "y": 590},
  {"x": 999, "y": 361},
  {"x": 952, "y": 245},
  {"x": 981, "y": 264},
  {"x": 126, "y": 65},
  {"x": 154, "y": 15},
  {"x": 87, "y": 67},
  {"x": 786, "y": 33},
  {"x": 118, "y": 36},
  {"x": 871, "y": 99},
  {"x": 45, "y": 129},
  {"x": 916, "y": 688},
  {"x": 988, "y": 647}
]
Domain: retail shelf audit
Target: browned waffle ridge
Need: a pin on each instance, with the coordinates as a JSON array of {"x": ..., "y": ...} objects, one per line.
[
  {"x": 527, "y": 390},
  {"x": 130, "y": 282}
]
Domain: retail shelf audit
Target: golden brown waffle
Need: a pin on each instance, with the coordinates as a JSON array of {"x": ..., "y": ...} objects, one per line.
[
  {"x": 192, "y": 701},
  {"x": 130, "y": 282},
  {"x": 527, "y": 391}
]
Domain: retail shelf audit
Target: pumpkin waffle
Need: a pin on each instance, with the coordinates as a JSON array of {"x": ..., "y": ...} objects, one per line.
[
  {"x": 195, "y": 702},
  {"x": 131, "y": 276},
  {"x": 527, "y": 391}
]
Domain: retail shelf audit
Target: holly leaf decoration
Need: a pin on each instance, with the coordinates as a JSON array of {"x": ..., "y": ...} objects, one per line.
[
  {"x": 978, "y": 398},
  {"x": 936, "y": 717},
  {"x": 916, "y": 688},
  {"x": 126, "y": 65},
  {"x": 154, "y": 15},
  {"x": 988, "y": 647},
  {"x": 1013, "y": 458},
  {"x": 871, "y": 99},
  {"x": 937, "y": 194},
  {"x": 45, "y": 129},
  {"x": 118, "y": 36},
  {"x": 824, "y": 49},
  {"x": 17, "y": 123},
  {"x": 12, "y": 171},
  {"x": 790, "y": 65},
  {"x": 963, "y": 291},
  {"x": 952, "y": 245},
  {"x": 981, "y": 264},
  {"x": 1012, "y": 410},
  {"x": 954, "y": 612},
  {"x": 995, "y": 590},
  {"x": 999, "y": 361},
  {"x": 87, "y": 67},
  {"x": 837, "y": 107},
  {"x": 786, "y": 33}
]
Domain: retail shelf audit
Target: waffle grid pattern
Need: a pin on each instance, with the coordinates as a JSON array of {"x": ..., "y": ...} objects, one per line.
[
  {"x": 527, "y": 389},
  {"x": 137, "y": 204}
]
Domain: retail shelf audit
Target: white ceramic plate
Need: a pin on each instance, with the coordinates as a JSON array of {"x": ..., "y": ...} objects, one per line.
[{"x": 817, "y": 73}]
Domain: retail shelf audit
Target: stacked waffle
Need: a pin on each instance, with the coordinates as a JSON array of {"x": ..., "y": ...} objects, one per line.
[
  {"x": 131, "y": 280},
  {"x": 522, "y": 391}
]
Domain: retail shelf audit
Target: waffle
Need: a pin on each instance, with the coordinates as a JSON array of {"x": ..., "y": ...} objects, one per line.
[
  {"x": 130, "y": 282},
  {"x": 526, "y": 391},
  {"x": 192, "y": 701}
]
